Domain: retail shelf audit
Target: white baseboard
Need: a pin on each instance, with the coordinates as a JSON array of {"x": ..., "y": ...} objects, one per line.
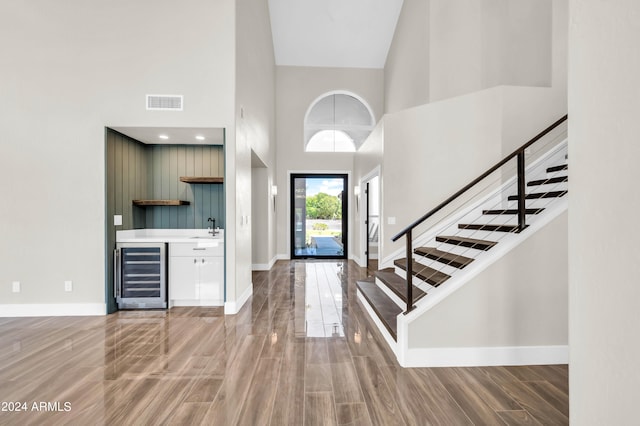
[
  {"x": 52, "y": 309},
  {"x": 357, "y": 259},
  {"x": 264, "y": 266},
  {"x": 233, "y": 307},
  {"x": 195, "y": 302},
  {"x": 488, "y": 356},
  {"x": 283, "y": 257}
]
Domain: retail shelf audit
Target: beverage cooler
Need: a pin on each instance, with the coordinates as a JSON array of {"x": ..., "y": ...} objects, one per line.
[{"x": 140, "y": 275}]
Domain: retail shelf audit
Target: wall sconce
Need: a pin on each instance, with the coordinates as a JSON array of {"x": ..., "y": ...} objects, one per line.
[
  {"x": 356, "y": 194},
  {"x": 274, "y": 192}
]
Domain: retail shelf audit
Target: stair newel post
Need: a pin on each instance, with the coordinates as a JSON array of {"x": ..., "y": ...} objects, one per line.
[
  {"x": 409, "y": 270},
  {"x": 522, "y": 219}
]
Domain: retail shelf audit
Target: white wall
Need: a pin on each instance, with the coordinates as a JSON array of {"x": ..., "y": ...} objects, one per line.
[
  {"x": 262, "y": 216},
  {"x": 604, "y": 104},
  {"x": 447, "y": 48},
  {"x": 367, "y": 161},
  {"x": 406, "y": 72},
  {"x": 528, "y": 114},
  {"x": 255, "y": 132},
  {"x": 297, "y": 88},
  {"x": 436, "y": 148},
  {"x": 433, "y": 150},
  {"x": 475, "y": 45},
  {"x": 457, "y": 48},
  {"x": 521, "y": 300},
  {"x": 68, "y": 70},
  {"x": 528, "y": 37}
]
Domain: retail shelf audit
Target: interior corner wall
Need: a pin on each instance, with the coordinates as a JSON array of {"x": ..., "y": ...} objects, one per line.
[
  {"x": 254, "y": 135},
  {"x": 242, "y": 236},
  {"x": 604, "y": 103},
  {"x": 127, "y": 179},
  {"x": 406, "y": 71},
  {"x": 456, "y": 48},
  {"x": 447, "y": 48},
  {"x": 528, "y": 110},
  {"x": 528, "y": 43},
  {"x": 68, "y": 71},
  {"x": 261, "y": 214},
  {"x": 297, "y": 88}
]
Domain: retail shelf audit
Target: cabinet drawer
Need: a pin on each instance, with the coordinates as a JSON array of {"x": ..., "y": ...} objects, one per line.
[{"x": 207, "y": 248}]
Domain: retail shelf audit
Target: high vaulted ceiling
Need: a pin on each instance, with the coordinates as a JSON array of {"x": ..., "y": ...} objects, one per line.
[{"x": 333, "y": 33}]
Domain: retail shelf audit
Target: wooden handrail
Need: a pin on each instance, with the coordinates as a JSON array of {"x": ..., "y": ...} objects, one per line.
[{"x": 479, "y": 178}]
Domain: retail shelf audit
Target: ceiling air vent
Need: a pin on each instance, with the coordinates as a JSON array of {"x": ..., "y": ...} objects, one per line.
[{"x": 164, "y": 102}]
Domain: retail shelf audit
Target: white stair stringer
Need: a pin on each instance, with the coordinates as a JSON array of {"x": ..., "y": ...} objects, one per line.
[{"x": 436, "y": 295}]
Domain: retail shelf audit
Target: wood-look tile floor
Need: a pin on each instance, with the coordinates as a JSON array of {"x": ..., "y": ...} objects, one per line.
[{"x": 301, "y": 352}]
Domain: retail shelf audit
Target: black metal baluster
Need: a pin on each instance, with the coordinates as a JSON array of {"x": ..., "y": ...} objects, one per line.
[
  {"x": 409, "y": 271},
  {"x": 522, "y": 212}
]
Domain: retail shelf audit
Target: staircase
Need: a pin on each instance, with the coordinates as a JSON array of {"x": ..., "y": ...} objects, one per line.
[{"x": 442, "y": 253}]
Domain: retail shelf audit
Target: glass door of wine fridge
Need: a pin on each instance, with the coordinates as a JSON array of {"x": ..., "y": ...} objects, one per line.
[{"x": 140, "y": 275}]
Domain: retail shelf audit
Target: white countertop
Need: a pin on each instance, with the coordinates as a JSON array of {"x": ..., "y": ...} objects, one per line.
[{"x": 169, "y": 236}]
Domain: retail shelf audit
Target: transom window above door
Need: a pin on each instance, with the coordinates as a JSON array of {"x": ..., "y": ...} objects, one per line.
[{"x": 337, "y": 122}]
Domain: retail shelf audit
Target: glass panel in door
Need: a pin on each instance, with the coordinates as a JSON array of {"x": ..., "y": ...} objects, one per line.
[{"x": 318, "y": 216}]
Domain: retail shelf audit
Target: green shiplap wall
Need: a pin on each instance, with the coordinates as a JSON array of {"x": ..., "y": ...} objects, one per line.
[
  {"x": 167, "y": 164},
  {"x": 126, "y": 180}
]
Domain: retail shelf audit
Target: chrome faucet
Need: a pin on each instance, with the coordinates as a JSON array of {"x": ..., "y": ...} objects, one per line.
[{"x": 212, "y": 231}]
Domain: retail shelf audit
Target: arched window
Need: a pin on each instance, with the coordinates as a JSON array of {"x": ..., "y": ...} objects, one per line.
[
  {"x": 332, "y": 141},
  {"x": 337, "y": 122}
]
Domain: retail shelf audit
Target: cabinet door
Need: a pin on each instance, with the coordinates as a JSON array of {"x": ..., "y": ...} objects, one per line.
[
  {"x": 183, "y": 278},
  {"x": 211, "y": 279}
]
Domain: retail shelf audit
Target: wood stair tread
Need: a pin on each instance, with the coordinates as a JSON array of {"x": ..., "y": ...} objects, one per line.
[
  {"x": 451, "y": 259},
  {"x": 557, "y": 179},
  {"x": 385, "y": 308},
  {"x": 557, "y": 168},
  {"x": 425, "y": 273},
  {"x": 511, "y": 211},
  {"x": 398, "y": 285},
  {"x": 490, "y": 228},
  {"x": 466, "y": 242},
  {"x": 539, "y": 195}
]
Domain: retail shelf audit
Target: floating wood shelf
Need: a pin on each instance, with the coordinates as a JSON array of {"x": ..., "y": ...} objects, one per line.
[
  {"x": 201, "y": 179},
  {"x": 144, "y": 203}
]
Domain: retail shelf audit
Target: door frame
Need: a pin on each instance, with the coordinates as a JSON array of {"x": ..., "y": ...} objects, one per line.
[
  {"x": 345, "y": 210},
  {"x": 362, "y": 217}
]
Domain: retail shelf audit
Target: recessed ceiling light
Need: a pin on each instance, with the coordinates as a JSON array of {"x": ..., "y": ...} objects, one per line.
[
  {"x": 200, "y": 137},
  {"x": 163, "y": 137}
]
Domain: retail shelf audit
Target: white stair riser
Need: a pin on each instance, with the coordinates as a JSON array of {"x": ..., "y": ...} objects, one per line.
[{"x": 391, "y": 294}]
